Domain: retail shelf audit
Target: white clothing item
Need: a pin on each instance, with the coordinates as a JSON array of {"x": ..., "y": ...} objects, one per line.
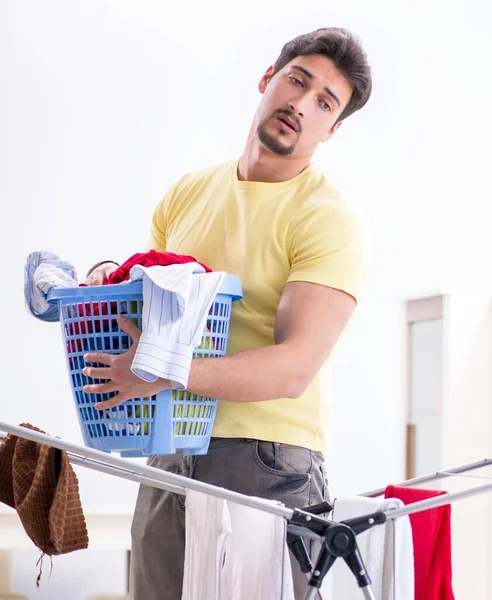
[
  {"x": 176, "y": 303},
  {"x": 44, "y": 277},
  {"x": 234, "y": 552},
  {"x": 399, "y": 567},
  {"x": 208, "y": 527},
  {"x": 257, "y": 563},
  {"x": 387, "y": 552}
]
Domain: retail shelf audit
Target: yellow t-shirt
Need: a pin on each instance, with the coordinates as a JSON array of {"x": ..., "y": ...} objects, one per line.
[{"x": 267, "y": 234}]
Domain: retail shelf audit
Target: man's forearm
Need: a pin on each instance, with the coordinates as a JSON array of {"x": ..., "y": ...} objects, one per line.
[{"x": 263, "y": 374}]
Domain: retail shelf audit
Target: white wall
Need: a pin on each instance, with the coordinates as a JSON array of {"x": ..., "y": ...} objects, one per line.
[
  {"x": 106, "y": 102},
  {"x": 101, "y": 572},
  {"x": 467, "y": 435},
  {"x": 451, "y": 389},
  {"x": 425, "y": 391}
]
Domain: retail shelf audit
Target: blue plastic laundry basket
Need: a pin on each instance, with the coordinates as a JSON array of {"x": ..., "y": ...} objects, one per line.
[{"x": 165, "y": 423}]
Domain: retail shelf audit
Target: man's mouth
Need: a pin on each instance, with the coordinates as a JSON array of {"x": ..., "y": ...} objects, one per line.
[{"x": 290, "y": 123}]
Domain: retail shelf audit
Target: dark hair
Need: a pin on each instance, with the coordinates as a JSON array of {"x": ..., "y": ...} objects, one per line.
[{"x": 346, "y": 52}]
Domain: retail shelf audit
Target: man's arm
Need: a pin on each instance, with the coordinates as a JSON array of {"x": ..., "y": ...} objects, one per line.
[{"x": 310, "y": 319}]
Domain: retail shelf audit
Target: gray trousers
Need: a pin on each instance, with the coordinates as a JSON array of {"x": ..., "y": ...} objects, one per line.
[{"x": 292, "y": 475}]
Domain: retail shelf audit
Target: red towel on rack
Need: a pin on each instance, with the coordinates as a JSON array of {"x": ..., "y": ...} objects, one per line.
[
  {"x": 431, "y": 531},
  {"x": 150, "y": 259}
]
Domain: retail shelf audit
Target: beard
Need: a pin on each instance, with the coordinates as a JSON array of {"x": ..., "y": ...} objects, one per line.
[{"x": 274, "y": 142}]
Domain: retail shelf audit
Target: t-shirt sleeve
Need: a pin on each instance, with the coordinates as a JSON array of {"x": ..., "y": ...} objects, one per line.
[
  {"x": 160, "y": 222},
  {"x": 329, "y": 246}
]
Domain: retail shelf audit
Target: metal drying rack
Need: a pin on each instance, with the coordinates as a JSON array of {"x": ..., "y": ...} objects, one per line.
[{"x": 338, "y": 539}]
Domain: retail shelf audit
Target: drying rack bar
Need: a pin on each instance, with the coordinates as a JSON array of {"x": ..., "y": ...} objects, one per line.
[
  {"x": 422, "y": 505},
  {"x": 132, "y": 471},
  {"x": 434, "y": 476}
]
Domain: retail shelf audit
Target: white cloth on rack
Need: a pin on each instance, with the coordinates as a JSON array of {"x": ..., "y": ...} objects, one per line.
[
  {"x": 208, "y": 526},
  {"x": 257, "y": 563},
  {"x": 234, "y": 552},
  {"x": 176, "y": 303},
  {"x": 387, "y": 552}
]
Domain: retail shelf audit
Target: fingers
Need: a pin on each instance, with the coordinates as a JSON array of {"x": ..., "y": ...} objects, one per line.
[
  {"x": 94, "y": 279},
  {"x": 98, "y": 279},
  {"x": 108, "y": 269},
  {"x": 114, "y": 401},
  {"x": 99, "y": 357},
  {"x": 129, "y": 328},
  {"x": 96, "y": 372},
  {"x": 100, "y": 388},
  {"x": 100, "y": 274}
]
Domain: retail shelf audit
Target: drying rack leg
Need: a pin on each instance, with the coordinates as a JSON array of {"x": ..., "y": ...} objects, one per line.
[
  {"x": 339, "y": 541},
  {"x": 367, "y": 591}
]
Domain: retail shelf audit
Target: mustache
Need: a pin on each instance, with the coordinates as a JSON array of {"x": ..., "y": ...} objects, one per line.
[{"x": 289, "y": 113}]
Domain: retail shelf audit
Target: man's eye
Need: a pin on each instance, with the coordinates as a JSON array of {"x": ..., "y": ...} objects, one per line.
[
  {"x": 295, "y": 81},
  {"x": 325, "y": 105}
]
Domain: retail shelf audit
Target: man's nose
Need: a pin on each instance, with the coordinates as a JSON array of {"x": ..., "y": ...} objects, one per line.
[{"x": 297, "y": 108}]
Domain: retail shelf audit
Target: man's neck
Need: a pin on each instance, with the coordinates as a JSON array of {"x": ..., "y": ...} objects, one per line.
[{"x": 258, "y": 164}]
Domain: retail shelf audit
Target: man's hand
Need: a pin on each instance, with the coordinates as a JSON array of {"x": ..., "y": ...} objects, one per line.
[
  {"x": 118, "y": 371},
  {"x": 100, "y": 273}
]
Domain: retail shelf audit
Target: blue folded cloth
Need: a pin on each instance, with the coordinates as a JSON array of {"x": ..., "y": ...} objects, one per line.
[{"x": 44, "y": 270}]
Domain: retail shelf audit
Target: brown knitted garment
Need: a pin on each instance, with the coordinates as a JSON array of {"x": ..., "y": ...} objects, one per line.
[{"x": 40, "y": 483}]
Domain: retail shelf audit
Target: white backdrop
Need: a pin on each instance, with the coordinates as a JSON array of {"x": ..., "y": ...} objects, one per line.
[{"x": 105, "y": 103}]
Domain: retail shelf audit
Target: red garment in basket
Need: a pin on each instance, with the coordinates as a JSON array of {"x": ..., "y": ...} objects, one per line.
[
  {"x": 150, "y": 259},
  {"x": 431, "y": 531},
  {"x": 89, "y": 309}
]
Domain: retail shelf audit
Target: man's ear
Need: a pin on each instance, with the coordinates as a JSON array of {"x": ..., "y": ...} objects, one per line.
[
  {"x": 265, "y": 79},
  {"x": 332, "y": 131}
]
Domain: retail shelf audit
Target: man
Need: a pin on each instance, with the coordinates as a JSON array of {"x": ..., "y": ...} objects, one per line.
[{"x": 278, "y": 224}]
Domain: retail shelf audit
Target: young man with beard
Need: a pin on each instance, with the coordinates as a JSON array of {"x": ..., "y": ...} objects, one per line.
[{"x": 275, "y": 221}]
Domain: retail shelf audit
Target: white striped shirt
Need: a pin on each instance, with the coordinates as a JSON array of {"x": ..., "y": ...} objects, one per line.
[
  {"x": 45, "y": 277},
  {"x": 176, "y": 303}
]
